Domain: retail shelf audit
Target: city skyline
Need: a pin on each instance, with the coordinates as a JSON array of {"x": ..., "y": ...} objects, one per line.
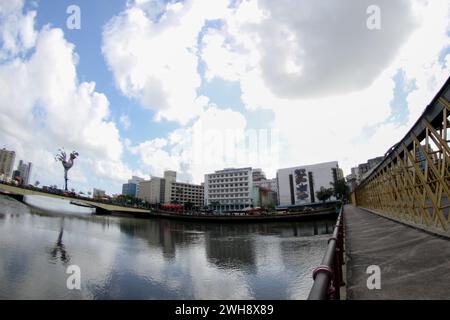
[{"x": 148, "y": 86}]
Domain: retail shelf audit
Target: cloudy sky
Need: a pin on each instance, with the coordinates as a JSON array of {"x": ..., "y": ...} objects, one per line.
[{"x": 143, "y": 86}]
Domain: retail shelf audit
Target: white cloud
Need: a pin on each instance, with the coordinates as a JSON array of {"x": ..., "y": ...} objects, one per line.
[
  {"x": 218, "y": 138},
  {"x": 325, "y": 75},
  {"x": 46, "y": 107},
  {"x": 419, "y": 57},
  {"x": 306, "y": 49},
  {"x": 151, "y": 50},
  {"x": 125, "y": 121},
  {"x": 320, "y": 70},
  {"x": 17, "y": 29}
]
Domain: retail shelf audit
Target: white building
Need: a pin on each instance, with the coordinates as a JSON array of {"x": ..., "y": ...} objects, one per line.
[
  {"x": 7, "y": 159},
  {"x": 298, "y": 185},
  {"x": 229, "y": 189},
  {"x": 168, "y": 190}
]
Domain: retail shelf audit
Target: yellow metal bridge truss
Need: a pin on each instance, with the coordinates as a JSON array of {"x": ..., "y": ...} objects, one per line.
[{"x": 412, "y": 183}]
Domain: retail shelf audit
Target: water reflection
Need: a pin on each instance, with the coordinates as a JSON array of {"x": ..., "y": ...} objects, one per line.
[
  {"x": 59, "y": 249},
  {"x": 126, "y": 258}
]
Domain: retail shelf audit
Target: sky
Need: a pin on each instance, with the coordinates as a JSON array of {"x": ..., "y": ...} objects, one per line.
[{"x": 137, "y": 87}]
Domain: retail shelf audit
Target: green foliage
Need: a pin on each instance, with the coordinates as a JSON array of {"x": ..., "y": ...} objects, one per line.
[
  {"x": 324, "y": 194},
  {"x": 340, "y": 189}
]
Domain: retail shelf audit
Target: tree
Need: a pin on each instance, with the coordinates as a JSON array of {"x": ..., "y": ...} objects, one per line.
[
  {"x": 188, "y": 205},
  {"x": 324, "y": 194},
  {"x": 37, "y": 183},
  {"x": 340, "y": 189}
]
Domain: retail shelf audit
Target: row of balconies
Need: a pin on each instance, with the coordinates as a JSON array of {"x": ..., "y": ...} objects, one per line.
[
  {"x": 226, "y": 196},
  {"x": 232, "y": 201},
  {"x": 227, "y": 179},
  {"x": 226, "y": 175},
  {"x": 232, "y": 185},
  {"x": 185, "y": 187},
  {"x": 229, "y": 190},
  {"x": 188, "y": 194}
]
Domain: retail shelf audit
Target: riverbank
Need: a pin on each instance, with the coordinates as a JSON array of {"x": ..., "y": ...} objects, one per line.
[{"x": 274, "y": 217}]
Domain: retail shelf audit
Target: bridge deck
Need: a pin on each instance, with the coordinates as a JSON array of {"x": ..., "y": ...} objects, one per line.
[
  {"x": 104, "y": 206},
  {"x": 414, "y": 264}
]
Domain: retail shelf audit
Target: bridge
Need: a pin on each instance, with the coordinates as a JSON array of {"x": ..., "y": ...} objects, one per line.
[
  {"x": 101, "y": 208},
  {"x": 397, "y": 228}
]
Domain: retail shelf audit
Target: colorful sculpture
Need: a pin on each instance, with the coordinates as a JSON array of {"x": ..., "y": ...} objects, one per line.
[{"x": 67, "y": 163}]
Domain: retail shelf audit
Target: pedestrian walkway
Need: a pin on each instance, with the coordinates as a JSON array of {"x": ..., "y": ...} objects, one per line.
[{"x": 413, "y": 264}]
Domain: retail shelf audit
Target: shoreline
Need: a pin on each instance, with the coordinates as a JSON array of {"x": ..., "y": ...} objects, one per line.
[{"x": 326, "y": 213}]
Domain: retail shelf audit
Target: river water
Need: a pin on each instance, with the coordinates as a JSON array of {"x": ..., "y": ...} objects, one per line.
[{"x": 128, "y": 258}]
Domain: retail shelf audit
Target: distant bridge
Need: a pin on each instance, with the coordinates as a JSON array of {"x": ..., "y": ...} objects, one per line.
[{"x": 102, "y": 208}]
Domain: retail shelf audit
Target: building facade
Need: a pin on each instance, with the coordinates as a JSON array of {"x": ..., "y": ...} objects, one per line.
[
  {"x": 152, "y": 190},
  {"x": 298, "y": 185},
  {"x": 131, "y": 188},
  {"x": 229, "y": 189},
  {"x": 270, "y": 184},
  {"x": 168, "y": 190},
  {"x": 183, "y": 193},
  {"x": 98, "y": 193},
  {"x": 7, "y": 159},
  {"x": 25, "y": 172}
]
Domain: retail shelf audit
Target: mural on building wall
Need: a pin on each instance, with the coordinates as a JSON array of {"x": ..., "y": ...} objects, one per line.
[{"x": 301, "y": 187}]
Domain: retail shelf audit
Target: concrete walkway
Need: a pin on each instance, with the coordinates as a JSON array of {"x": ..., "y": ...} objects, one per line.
[{"x": 413, "y": 263}]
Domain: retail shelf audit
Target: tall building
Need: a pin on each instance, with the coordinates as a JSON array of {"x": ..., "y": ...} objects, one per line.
[
  {"x": 168, "y": 190},
  {"x": 25, "y": 171},
  {"x": 131, "y": 188},
  {"x": 229, "y": 189},
  {"x": 7, "y": 159},
  {"x": 152, "y": 190},
  {"x": 298, "y": 185}
]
